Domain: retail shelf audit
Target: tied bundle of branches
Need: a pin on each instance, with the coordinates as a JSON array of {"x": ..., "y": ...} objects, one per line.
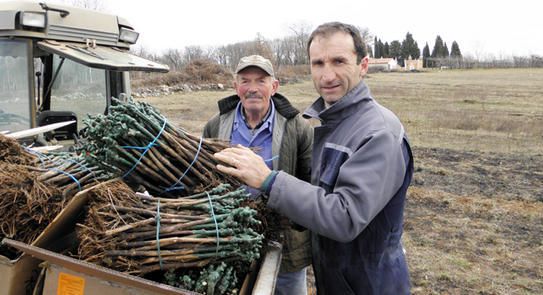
[
  {"x": 140, "y": 145},
  {"x": 27, "y": 205},
  {"x": 34, "y": 189},
  {"x": 12, "y": 152},
  {"x": 68, "y": 172},
  {"x": 138, "y": 233}
]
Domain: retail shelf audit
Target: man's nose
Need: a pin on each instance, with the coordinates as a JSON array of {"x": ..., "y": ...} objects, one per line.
[
  {"x": 328, "y": 74},
  {"x": 253, "y": 88}
]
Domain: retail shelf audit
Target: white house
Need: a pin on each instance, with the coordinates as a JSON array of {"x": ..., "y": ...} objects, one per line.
[{"x": 382, "y": 64}]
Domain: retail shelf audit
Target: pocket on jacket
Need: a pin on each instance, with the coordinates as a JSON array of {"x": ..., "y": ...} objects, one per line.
[{"x": 333, "y": 156}]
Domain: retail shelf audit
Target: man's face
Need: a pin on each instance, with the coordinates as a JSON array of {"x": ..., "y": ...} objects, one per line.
[
  {"x": 333, "y": 65},
  {"x": 255, "y": 88}
]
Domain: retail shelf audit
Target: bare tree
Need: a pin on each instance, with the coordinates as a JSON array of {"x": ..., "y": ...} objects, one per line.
[
  {"x": 301, "y": 33},
  {"x": 221, "y": 56},
  {"x": 284, "y": 50},
  {"x": 230, "y": 54},
  {"x": 193, "y": 53},
  {"x": 262, "y": 47},
  {"x": 173, "y": 58},
  {"x": 367, "y": 37},
  {"x": 141, "y": 51}
]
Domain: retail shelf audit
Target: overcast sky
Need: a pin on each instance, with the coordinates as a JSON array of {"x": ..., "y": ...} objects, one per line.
[{"x": 481, "y": 28}]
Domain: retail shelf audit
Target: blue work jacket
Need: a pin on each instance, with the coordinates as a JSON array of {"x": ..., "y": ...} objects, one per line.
[{"x": 361, "y": 168}]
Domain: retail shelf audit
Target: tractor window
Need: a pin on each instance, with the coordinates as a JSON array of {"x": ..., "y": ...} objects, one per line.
[
  {"x": 14, "y": 86},
  {"x": 79, "y": 89}
]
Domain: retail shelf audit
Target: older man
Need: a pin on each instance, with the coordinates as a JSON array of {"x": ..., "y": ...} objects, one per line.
[
  {"x": 362, "y": 166},
  {"x": 258, "y": 116}
]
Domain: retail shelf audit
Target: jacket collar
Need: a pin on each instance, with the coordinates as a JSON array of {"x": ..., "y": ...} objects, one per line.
[
  {"x": 342, "y": 108},
  {"x": 281, "y": 103}
]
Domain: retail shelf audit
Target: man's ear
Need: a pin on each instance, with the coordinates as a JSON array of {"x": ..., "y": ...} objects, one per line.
[
  {"x": 364, "y": 66},
  {"x": 275, "y": 86}
]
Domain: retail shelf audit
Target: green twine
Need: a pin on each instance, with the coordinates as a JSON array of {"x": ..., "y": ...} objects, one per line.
[
  {"x": 216, "y": 225},
  {"x": 157, "y": 218},
  {"x": 174, "y": 186}
]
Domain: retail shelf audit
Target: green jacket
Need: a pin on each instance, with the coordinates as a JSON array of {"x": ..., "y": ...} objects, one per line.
[{"x": 292, "y": 140}]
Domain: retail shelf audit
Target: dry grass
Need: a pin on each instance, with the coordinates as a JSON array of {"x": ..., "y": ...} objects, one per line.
[
  {"x": 474, "y": 217},
  {"x": 490, "y": 110}
]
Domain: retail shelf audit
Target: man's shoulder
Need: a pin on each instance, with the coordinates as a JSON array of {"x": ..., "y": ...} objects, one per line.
[
  {"x": 211, "y": 128},
  {"x": 372, "y": 119},
  {"x": 299, "y": 125},
  {"x": 284, "y": 107},
  {"x": 387, "y": 117},
  {"x": 228, "y": 103}
]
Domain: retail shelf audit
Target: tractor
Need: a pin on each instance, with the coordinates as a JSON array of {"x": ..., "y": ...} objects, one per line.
[{"x": 60, "y": 64}]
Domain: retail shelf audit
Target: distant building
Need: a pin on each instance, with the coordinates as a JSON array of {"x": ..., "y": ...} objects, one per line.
[
  {"x": 413, "y": 64},
  {"x": 382, "y": 65},
  {"x": 391, "y": 64}
]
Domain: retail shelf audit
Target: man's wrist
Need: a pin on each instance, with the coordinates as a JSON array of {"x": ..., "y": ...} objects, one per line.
[{"x": 266, "y": 186}]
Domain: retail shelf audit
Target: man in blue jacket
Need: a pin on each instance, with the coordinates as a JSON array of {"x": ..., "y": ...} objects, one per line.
[{"x": 361, "y": 168}]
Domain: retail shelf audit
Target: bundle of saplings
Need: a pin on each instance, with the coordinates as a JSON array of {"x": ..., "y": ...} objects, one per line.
[
  {"x": 141, "y": 146},
  {"x": 35, "y": 187},
  {"x": 204, "y": 239}
]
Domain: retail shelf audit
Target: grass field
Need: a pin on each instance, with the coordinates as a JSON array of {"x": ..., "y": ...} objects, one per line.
[{"x": 474, "y": 215}]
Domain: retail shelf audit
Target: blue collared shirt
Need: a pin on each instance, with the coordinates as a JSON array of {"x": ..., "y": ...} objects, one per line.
[{"x": 261, "y": 137}]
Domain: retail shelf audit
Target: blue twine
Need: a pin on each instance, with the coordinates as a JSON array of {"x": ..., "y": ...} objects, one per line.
[
  {"x": 79, "y": 164},
  {"x": 42, "y": 156},
  {"x": 37, "y": 154},
  {"x": 272, "y": 158},
  {"x": 59, "y": 162},
  {"x": 157, "y": 218},
  {"x": 70, "y": 175},
  {"x": 216, "y": 225},
  {"x": 138, "y": 147},
  {"x": 177, "y": 185},
  {"x": 146, "y": 149}
]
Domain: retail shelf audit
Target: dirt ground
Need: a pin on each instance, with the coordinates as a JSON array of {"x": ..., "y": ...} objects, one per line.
[
  {"x": 474, "y": 213},
  {"x": 474, "y": 223}
]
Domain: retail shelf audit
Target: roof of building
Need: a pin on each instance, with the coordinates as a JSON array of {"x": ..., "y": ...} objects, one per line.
[{"x": 377, "y": 61}]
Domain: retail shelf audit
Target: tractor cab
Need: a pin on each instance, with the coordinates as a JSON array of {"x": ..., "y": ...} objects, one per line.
[{"x": 60, "y": 63}]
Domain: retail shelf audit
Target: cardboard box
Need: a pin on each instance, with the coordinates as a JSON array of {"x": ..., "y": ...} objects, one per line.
[
  {"x": 66, "y": 275},
  {"x": 16, "y": 274}
]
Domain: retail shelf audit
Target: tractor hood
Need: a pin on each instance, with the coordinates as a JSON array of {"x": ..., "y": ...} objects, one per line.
[{"x": 102, "y": 57}]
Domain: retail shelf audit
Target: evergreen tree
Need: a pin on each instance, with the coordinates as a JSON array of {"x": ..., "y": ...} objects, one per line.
[
  {"x": 410, "y": 47},
  {"x": 425, "y": 56},
  {"x": 415, "y": 53},
  {"x": 376, "y": 48},
  {"x": 445, "y": 50},
  {"x": 455, "y": 50},
  {"x": 438, "y": 48},
  {"x": 386, "y": 50},
  {"x": 395, "y": 49}
]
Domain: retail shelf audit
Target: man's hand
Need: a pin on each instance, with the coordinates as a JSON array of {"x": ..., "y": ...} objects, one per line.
[{"x": 245, "y": 165}]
